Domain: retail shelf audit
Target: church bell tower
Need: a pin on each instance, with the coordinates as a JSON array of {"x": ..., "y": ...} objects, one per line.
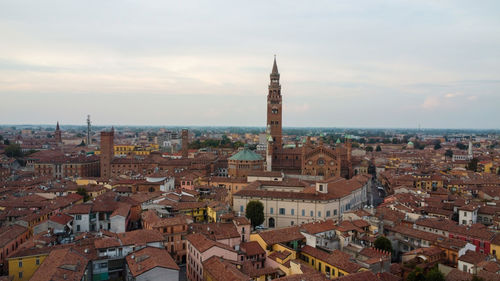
[{"x": 274, "y": 106}]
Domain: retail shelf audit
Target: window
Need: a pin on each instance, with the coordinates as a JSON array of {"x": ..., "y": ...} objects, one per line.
[
  {"x": 271, "y": 211},
  {"x": 20, "y": 275},
  {"x": 37, "y": 261},
  {"x": 20, "y": 264},
  {"x": 320, "y": 187},
  {"x": 327, "y": 213},
  {"x": 319, "y": 214},
  {"x": 78, "y": 228},
  {"x": 312, "y": 261},
  {"x": 292, "y": 212},
  {"x": 312, "y": 214},
  {"x": 303, "y": 212},
  {"x": 334, "y": 212},
  {"x": 282, "y": 211},
  {"x": 241, "y": 208},
  {"x": 78, "y": 217}
]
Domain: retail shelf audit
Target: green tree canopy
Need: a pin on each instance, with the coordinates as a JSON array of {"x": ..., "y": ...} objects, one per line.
[
  {"x": 448, "y": 153},
  {"x": 369, "y": 148},
  {"x": 434, "y": 275},
  {"x": 255, "y": 212},
  {"x": 416, "y": 275},
  {"x": 472, "y": 165},
  {"x": 383, "y": 243},
  {"x": 83, "y": 192},
  {"x": 437, "y": 144},
  {"x": 13, "y": 150}
]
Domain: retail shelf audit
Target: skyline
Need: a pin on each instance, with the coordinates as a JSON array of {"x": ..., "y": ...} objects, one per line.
[{"x": 372, "y": 65}]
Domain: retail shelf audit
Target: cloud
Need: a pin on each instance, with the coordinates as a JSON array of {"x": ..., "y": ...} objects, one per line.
[
  {"x": 431, "y": 103},
  {"x": 472, "y": 98}
]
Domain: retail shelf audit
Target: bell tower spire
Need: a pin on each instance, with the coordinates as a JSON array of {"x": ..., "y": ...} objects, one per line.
[{"x": 274, "y": 106}]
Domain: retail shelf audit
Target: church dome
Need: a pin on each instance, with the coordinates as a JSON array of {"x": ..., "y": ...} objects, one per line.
[{"x": 246, "y": 155}]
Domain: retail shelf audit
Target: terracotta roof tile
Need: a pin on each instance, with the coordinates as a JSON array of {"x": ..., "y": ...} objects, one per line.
[{"x": 149, "y": 258}]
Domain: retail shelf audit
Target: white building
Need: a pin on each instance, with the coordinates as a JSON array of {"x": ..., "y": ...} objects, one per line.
[{"x": 293, "y": 202}]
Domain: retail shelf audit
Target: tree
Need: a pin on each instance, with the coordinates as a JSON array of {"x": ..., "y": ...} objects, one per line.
[
  {"x": 461, "y": 146},
  {"x": 378, "y": 148},
  {"x": 82, "y": 143},
  {"x": 448, "y": 153},
  {"x": 416, "y": 275},
  {"x": 437, "y": 144},
  {"x": 13, "y": 150},
  {"x": 369, "y": 148},
  {"x": 383, "y": 243},
  {"x": 434, "y": 275},
  {"x": 255, "y": 212},
  {"x": 83, "y": 192},
  {"x": 6, "y": 142},
  {"x": 472, "y": 165}
]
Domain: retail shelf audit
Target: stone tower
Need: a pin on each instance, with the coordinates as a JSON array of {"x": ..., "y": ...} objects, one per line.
[
  {"x": 274, "y": 105},
  {"x": 58, "y": 134},
  {"x": 107, "y": 152},
  {"x": 185, "y": 143}
]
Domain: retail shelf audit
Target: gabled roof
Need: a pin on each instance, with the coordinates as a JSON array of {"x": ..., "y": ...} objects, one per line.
[
  {"x": 222, "y": 270},
  {"x": 283, "y": 235},
  {"x": 62, "y": 264},
  {"x": 149, "y": 258}
]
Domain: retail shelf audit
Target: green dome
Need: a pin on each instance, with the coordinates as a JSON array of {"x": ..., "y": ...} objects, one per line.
[
  {"x": 338, "y": 141},
  {"x": 410, "y": 143},
  {"x": 246, "y": 155}
]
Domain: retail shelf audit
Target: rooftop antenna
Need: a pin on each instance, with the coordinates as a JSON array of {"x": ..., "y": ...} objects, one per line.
[{"x": 88, "y": 130}]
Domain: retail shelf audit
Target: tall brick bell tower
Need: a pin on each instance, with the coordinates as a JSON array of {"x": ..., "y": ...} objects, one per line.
[
  {"x": 107, "y": 152},
  {"x": 274, "y": 113},
  {"x": 185, "y": 143}
]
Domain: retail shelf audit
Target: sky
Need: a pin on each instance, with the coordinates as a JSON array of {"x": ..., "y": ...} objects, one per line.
[{"x": 402, "y": 64}]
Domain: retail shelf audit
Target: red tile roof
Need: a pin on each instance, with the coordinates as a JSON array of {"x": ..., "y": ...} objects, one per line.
[
  {"x": 62, "y": 264},
  {"x": 221, "y": 270},
  {"x": 149, "y": 258},
  {"x": 337, "y": 258}
]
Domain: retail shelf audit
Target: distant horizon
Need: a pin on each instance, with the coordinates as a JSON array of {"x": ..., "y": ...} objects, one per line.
[{"x": 232, "y": 126}]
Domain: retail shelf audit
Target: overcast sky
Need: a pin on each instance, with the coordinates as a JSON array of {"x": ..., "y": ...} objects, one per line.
[{"x": 342, "y": 63}]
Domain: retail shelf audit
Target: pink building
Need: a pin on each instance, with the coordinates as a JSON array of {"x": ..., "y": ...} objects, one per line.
[{"x": 199, "y": 249}]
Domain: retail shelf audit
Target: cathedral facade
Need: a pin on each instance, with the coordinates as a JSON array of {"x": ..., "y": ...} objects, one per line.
[{"x": 309, "y": 159}]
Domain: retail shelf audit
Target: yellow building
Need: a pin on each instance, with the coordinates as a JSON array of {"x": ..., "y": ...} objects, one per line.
[
  {"x": 495, "y": 247},
  {"x": 333, "y": 265},
  {"x": 196, "y": 210},
  {"x": 129, "y": 149},
  {"x": 24, "y": 263}
]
